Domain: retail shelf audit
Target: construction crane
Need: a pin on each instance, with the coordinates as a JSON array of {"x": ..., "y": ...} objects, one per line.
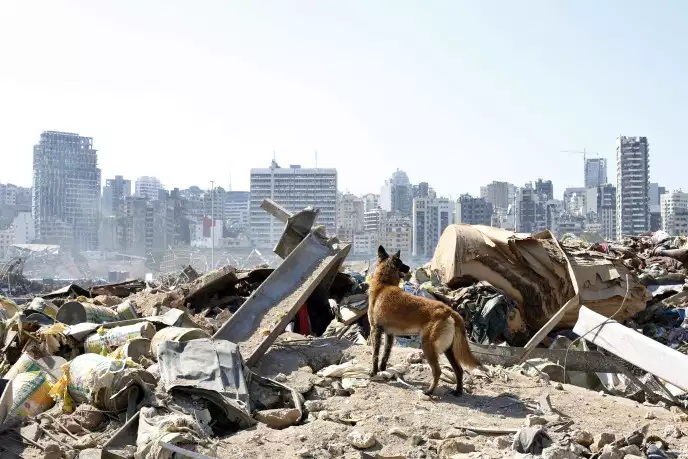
[{"x": 585, "y": 153}]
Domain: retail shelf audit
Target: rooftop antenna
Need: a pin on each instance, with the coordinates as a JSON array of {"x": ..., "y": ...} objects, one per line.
[
  {"x": 230, "y": 181},
  {"x": 316, "y": 159}
]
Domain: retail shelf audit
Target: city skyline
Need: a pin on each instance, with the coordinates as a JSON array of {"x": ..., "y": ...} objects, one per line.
[{"x": 428, "y": 88}]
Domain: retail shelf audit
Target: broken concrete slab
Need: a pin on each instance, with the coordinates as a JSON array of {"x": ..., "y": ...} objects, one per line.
[
  {"x": 635, "y": 348},
  {"x": 297, "y": 226},
  {"x": 266, "y": 313}
]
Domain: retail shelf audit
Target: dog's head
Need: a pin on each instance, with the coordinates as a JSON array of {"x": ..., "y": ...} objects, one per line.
[{"x": 390, "y": 269}]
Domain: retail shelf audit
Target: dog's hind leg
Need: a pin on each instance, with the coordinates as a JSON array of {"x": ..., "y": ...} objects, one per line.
[
  {"x": 430, "y": 351},
  {"x": 389, "y": 341},
  {"x": 458, "y": 371},
  {"x": 375, "y": 337}
]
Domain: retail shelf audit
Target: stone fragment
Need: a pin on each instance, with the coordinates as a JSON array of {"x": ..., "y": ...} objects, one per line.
[
  {"x": 313, "y": 406},
  {"x": 416, "y": 357},
  {"x": 449, "y": 448},
  {"x": 532, "y": 420},
  {"x": 360, "y": 439},
  {"x": 453, "y": 433},
  {"x": 558, "y": 452},
  {"x": 582, "y": 437},
  {"x": 631, "y": 450},
  {"x": 672, "y": 431},
  {"x": 502, "y": 442},
  {"x": 611, "y": 452},
  {"x": 396, "y": 431},
  {"x": 416, "y": 440},
  {"x": 602, "y": 439},
  {"x": 279, "y": 418},
  {"x": 52, "y": 451},
  {"x": 580, "y": 450}
]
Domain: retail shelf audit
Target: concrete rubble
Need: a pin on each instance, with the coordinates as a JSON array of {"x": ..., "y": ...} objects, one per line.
[{"x": 585, "y": 345}]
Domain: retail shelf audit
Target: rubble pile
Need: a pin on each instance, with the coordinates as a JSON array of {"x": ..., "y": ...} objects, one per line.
[{"x": 275, "y": 363}]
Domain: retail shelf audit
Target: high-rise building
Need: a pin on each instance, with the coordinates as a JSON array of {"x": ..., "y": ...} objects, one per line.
[
  {"x": 527, "y": 202},
  {"x": 142, "y": 226},
  {"x": 674, "y": 212},
  {"x": 531, "y": 207},
  {"x": 655, "y": 193},
  {"x": 237, "y": 207},
  {"x": 500, "y": 194},
  {"x": 148, "y": 187},
  {"x": 351, "y": 216},
  {"x": 114, "y": 192},
  {"x": 66, "y": 190},
  {"x": 422, "y": 190},
  {"x": 632, "y": 185},
  {"x": 545, "y": 189},
  {"x": 431, "y": 216},
  {"x": 473, "y": 211},
  {"x": 397, "y": 194},
  {"x": 214, "y": 204},
  {"x": 294, "y": 188},
  {"x": 595, "y": 172},
  {"x": 606, "y": 211}
]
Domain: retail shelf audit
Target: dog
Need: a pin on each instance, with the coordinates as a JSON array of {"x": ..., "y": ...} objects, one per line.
[{"x": 391, "y": 311}]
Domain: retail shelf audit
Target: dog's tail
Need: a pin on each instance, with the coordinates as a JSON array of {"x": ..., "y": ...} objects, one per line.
[{"x": 460, "y": 347}]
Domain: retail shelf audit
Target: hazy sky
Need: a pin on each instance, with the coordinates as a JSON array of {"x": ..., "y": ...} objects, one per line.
[{"x": 457, "y": 93}]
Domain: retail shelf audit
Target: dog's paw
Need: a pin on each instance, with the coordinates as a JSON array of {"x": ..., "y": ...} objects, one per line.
[
  {"x": 457, "y": 393},
  {"x": 428, "y": 392},
  {"x": 372, "y": 373}
]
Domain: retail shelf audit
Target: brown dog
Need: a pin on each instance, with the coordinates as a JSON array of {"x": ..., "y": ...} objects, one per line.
[{"x": 394, "y": 312}]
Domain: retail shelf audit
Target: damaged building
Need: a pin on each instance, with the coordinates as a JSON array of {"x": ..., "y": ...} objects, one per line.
[{"x": 66, "y": 190}]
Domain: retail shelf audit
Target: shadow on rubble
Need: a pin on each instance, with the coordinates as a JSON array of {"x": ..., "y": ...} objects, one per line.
[
  {"x": 505, "y": 404},
  {"x": 291, "y": 354},
  {"x": 508, "y": 405},
  {"x": 12, "y": 444}
]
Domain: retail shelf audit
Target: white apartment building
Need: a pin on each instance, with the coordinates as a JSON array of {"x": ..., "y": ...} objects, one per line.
[
  {"x": 24, "y": 228},
  {"x": 632, "y": 185},
  {"x": 295, "y": 188},
  {"x": 365, "y": 244},
  {"x": 237, "y": 207},
  {"x": 371, "y": 202},
  {"x": 148, "y": 187},
  {"x": 21, "y": 231},
  {"x": 431, "y": 216},
  {"x": 674, "y": 210}
]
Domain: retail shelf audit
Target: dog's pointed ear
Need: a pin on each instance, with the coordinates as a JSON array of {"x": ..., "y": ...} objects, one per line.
[
  {"x": 382, "y": 254},
  {"x": 398, "y": 254}
]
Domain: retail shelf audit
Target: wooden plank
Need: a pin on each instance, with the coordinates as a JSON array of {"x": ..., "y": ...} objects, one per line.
[{"x": 635, "y": 348}]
